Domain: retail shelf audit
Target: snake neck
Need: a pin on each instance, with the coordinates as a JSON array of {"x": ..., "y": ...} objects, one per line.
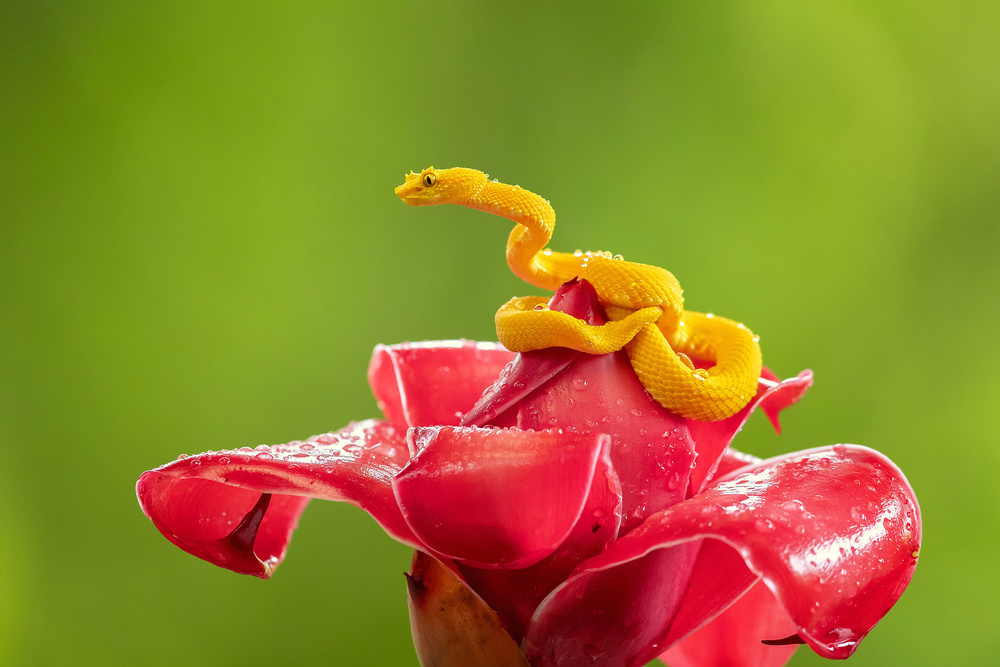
[{"x": 535, "y": 219}]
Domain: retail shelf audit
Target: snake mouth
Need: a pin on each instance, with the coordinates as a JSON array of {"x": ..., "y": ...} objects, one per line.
[{"x": 412, "y": 191}]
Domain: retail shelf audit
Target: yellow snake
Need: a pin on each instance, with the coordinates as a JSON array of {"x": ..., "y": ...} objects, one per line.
[{"x": 644, "y": 303}]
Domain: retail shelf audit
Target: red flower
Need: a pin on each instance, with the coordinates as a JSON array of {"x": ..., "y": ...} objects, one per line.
[{"x": 601, "y": 528}]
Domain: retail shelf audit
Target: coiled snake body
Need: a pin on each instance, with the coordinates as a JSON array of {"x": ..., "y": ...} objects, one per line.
[{"x": 644, "y": 303}]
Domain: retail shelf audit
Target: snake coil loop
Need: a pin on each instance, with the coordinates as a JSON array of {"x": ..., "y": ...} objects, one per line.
[{"x": 645, "y": 303}]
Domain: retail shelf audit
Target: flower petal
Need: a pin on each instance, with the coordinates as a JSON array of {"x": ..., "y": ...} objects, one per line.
[
  {"x": 613, "y": 618},
  {"x": 496, "y": 497},
  {"x": 187, "y": 512},
  {"x": 713, "y": 438},
  {"x": 734, "y": 637},
  {"x": 833, "y": 532},
  {"x": 435, "y": 382},
  {"x": 514, "y": 594},
  {"x": 198, "y": 501},
  {"x": 530, "y": 370},
  {"x": 652, "y": 451}
]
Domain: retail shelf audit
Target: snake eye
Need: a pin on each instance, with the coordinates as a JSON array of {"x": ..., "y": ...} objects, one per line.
[{"x": 429, "y": 179}]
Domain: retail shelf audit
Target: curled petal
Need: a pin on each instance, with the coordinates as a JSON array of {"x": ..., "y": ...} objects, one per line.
[
  {"x": 496, "y": 497},
  {"x": 833, "y": 532},
  {"x": 514, "y": 594},
  {"x": 433, "y": 383},
  {"x": 208, "y": 505},
  {"x": 713, "y": 438},
  {"x": 187, "y": 512}
]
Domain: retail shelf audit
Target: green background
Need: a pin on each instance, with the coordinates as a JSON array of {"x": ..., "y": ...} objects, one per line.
[{"x": 199, "y": 247}]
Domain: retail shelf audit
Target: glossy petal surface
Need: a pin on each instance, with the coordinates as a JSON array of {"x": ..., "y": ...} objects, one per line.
[
  {"x": 433, "y": 383},
  {"x": 832, "y": 532},
  {"x": 714, "y": 438},
  {"x": 530, "y": 370},
  {"x": 734, "y": 637},
  {"x": 515, "y": 594},
  {"x": 496, "y": 497},
  {"x": 198, "y": 500}
]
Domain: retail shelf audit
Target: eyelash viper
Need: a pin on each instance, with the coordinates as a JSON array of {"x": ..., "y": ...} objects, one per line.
[{"x": 644, "y": 303}]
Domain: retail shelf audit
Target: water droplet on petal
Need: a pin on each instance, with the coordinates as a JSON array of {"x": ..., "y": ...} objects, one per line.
[{"x": 674, "y": 480}]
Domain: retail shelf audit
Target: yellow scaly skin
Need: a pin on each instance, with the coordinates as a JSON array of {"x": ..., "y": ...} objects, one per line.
[{"x": 645, "y": 303}]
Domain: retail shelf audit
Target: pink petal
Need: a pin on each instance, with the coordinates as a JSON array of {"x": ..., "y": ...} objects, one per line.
[
  {"x": 433, "y": 383},
  {"x": 187, "y": 512},
  {"x": 198, "y": 501},
  {"x": 526, "y": 373},
  {"x": 514, "y": 594},
  {"x": 834, "y": 532},
  {"x": 734, "y": 637},
  {"x": 496, "y": 497},
  {"x": 613, "y": 618},
  {"x": 719, "y": 577},
  {"x": 530, "y": 370},
  {"x": 713, "y": 438},
  {"x": 651, "y": 448}
]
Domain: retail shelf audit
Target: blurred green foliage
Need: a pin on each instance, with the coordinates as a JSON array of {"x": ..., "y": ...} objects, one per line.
[{"x": 199, "y": 246}]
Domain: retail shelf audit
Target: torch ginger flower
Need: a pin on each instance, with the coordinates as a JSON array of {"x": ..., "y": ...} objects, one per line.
[{"x": 570, "y": 515}]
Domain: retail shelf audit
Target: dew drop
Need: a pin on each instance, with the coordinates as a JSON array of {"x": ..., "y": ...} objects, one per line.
[
  {"x": 792, "y": 506},
  {"x": 763, "y": 525},
  {"x": 674, "y": 480},
  {"x": 263, "y": 456}
]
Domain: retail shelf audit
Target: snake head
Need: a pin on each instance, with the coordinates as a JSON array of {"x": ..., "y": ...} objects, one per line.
[{"x": 441, "y": 186}]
